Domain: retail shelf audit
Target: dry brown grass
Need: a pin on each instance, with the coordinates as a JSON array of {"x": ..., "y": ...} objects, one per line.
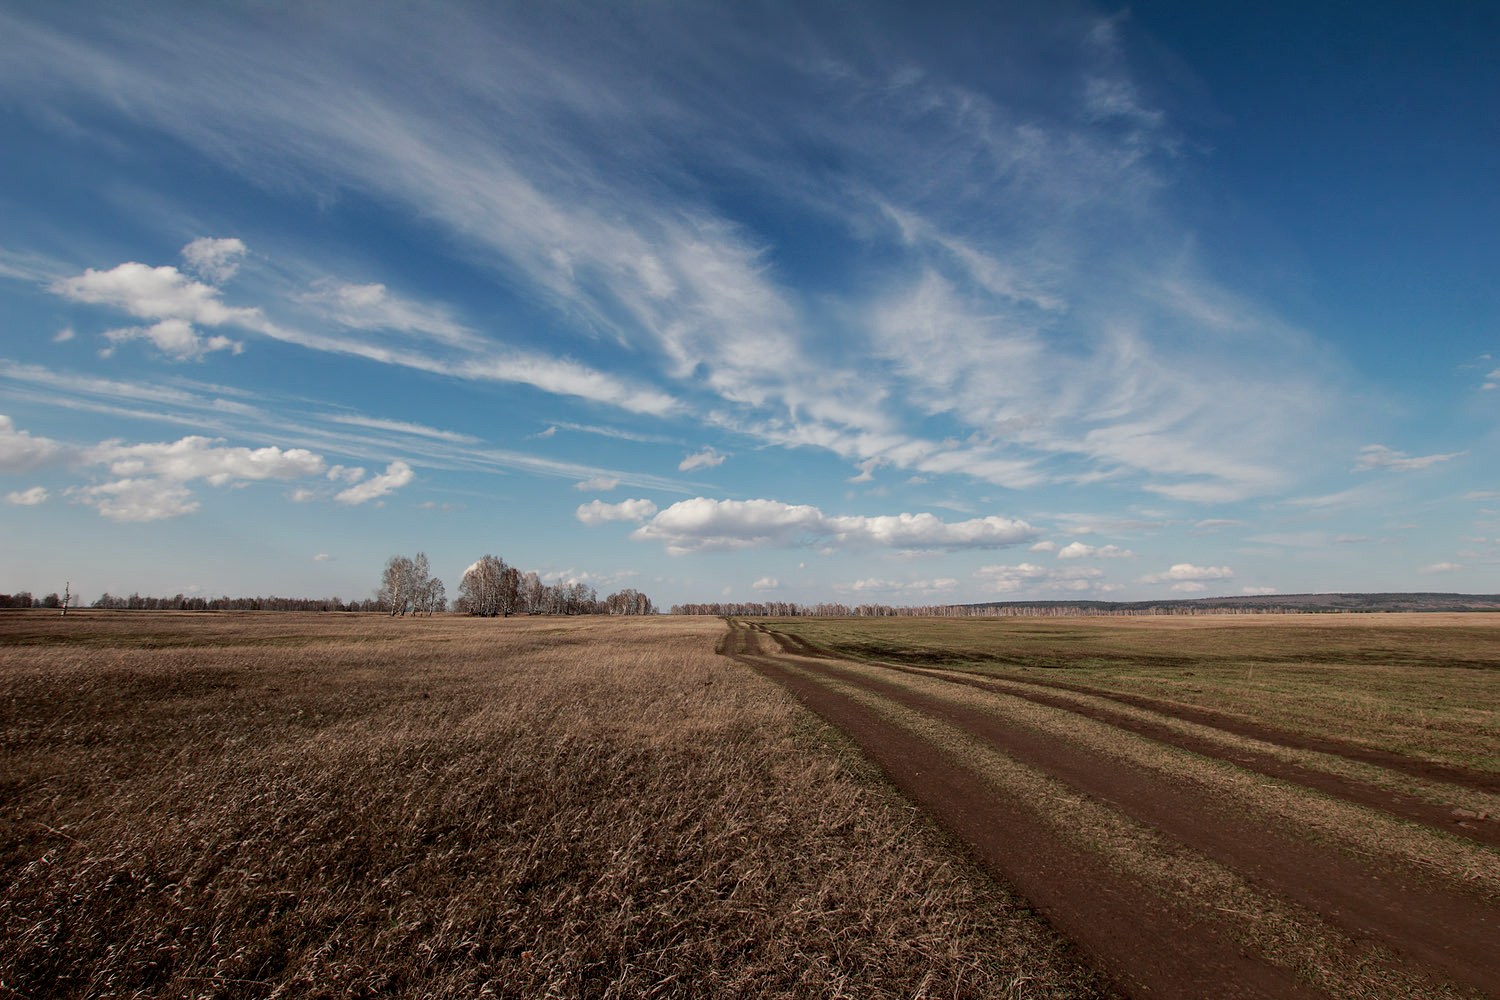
[
  {"x": 1423, "y": 685},
  {"x": 288, "y": 805}
]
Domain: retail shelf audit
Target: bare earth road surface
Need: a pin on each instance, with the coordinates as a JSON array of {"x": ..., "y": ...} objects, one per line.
[{"x": 1188, "y": 855}]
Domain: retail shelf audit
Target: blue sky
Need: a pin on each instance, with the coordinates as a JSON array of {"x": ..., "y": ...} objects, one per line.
[{"x": 861, "y": 302}]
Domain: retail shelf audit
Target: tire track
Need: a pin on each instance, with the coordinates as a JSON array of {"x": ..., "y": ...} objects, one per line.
[
  {"x": 1349, "y": 789},
  {"x": 1447, "y": 932},
  {"x": 1150, "y": 946},
  {"x": 1429, "y": 770}
]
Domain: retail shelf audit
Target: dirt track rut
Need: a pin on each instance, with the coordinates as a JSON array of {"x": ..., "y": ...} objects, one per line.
[{"x": 1382, "y": 926}]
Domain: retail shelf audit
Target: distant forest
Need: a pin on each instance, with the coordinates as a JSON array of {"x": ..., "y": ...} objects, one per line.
[
  {"x": 492, "y": 588},
  {"x": 1259, "y": 604},
  {"x": 407, "y": 587}
]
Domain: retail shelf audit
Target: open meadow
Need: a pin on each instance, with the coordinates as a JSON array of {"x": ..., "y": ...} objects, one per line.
[
  {"x": 1255, "y": 806},
  {"x": 321, "y": 805}
]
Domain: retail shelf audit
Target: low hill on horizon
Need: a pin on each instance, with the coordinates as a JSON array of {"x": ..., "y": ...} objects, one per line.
[{"x": 1269, "y": 603}]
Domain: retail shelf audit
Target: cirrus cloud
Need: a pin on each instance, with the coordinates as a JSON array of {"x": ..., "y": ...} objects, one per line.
[{"x": 1378, "y": 456}]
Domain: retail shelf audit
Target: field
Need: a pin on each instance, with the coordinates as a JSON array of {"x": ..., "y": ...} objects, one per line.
[
  {"x": 1221, "y": 806},
  {"x": 284, "y": 805},
  {"x": 248, "y": 805}
]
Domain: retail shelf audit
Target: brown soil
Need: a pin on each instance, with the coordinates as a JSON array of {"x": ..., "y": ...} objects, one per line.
[{"x": 1154, "y": 946}]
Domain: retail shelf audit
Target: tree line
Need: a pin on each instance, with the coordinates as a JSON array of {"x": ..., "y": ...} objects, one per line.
[{"x": 492, "y": 588}]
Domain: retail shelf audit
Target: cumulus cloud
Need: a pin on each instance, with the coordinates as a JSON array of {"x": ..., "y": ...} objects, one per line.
[
  {"x": 322, "y": 557},
  {"x": 150, "y": 480},
  {"x": 346, "y": 474},
  {"x": 1029, "y": 576},
  {"x": 1257, "y": 591},
  {"x": 175, "y": 303},
  {"x": 1080, "y": 550},
  {"x": 708, "y": 458},
  {"x": 64, "y": 335},
  {"x": 21, "y": 452},
  {"x": 137, "y": 500},
  {"x": 395, "y": 476},
  {"x": 1190, "y": 587},
  {"x": 702, "y": 524},
  {"x": 602, "y": 484},
  {"x": 1188, "y": 573},
  {"x": 1043, "y": 546},
  {"x": 1378, "y": 456},
  {"x": 598, "y": 512},
  {"x": 766, "y": 583},
  {"x": 214, "y": 260},
  {"x": 27, "y": 498},
  {"x": 204, "y": 458},
  {"x": 1440, "y": 567},
  {"x": 176, "y": 338},
  {"x": 875, "y": 585}
]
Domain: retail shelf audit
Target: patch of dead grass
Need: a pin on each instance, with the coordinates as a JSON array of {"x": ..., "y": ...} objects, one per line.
[{"x": 454, "y": 807}]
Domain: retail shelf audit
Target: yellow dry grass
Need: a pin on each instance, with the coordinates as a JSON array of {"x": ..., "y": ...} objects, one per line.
[
  {"x": 1424, "y": 685},
  {"x": 324, "y": 805}
]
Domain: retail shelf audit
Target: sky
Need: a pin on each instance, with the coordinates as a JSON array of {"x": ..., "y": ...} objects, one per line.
[{"x": 860, "y": 302}]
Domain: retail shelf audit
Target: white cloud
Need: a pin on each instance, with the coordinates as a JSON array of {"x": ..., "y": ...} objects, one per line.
[
  {"x": 598, "y": 512},
  {"x": 64, "y": 335},
  {"x": 322, "y": 557},
  {"x": 1257, "y": 591},
  {"x": 204, "y": 458},
  {"x": 214, "y": 260},
  {"x": 1029, "y": 576},
  {"x": 1378, "y": 456},
  {"x": 987, "y": 205},
  {"x": 137, "y": 500},
  {"x": 395, "y": 476},
  {"x": 1189, "y": 587},
  {"x": 346, "y": 474},
  {"x": 702, "y": 524},
  {"x": 373, "y": 306},
  {"x": 154, "y": 293},
  {"x": 708, "y": 458},
  {"x": 1080, "y": 550},
  {"x": 602, "y": 484},
  {"x": 918, "y": 588},
  {"x": 1441, "y": 567},
  {"x": 1188, "y": 573},
  {"x": 162, "y": 294},
  {"x": 766, "y": 583},
  {"x": 20, "y": 452},
  {"x": 402, "y": 427},
  {"x": 27, "y": 498},
  {"x": 1481, "y": 495},
  {"x": 176, "y": 338},
  {"x": 1043, "y": 546}
]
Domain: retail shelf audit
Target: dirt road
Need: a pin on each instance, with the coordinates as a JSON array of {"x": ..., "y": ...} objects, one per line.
[{"x": 1185, "y": 859}]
